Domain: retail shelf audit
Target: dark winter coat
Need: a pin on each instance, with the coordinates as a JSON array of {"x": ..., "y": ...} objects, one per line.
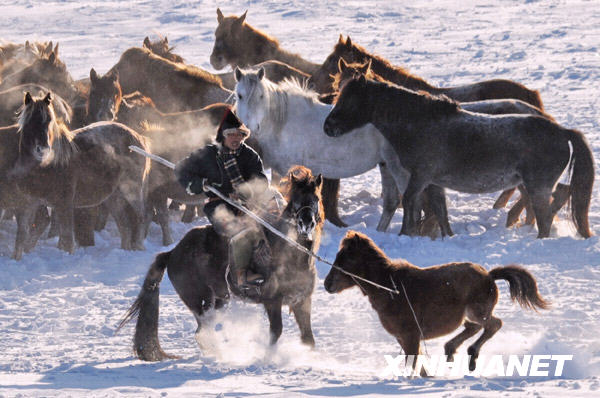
[{"x": 206, "y": 163}]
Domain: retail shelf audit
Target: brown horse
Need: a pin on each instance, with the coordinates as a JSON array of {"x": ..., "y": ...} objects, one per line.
[
  {"x": 81, "y": 169},
  {"x": 162, "y": 49},
  {"x": 172, "y": 86},
  {"x": 197, "y": 267},
  {"x": 348, "y": 72},
  {"x": 11, "y": 101},
  {"x": 17, "y": 57},
  {"x": 174, "y": 136},
  {"x": 443, "y": 297},
  {"x": 473, "y": 152},
  {"x": 241, "y": 45},
  {"x": 353, "y": 53}
]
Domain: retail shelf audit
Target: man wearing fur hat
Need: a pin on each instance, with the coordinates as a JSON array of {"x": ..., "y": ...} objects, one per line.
[{"x": 235, "y": 170}]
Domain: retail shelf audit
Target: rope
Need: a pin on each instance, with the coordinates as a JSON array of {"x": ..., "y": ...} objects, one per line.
[{"x": 258, "y": 219}]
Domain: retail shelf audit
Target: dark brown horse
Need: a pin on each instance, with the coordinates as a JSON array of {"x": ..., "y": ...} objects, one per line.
[
  {"x": 197, "y": 267},
  {"x": 443, "y": 297},
  {"x": 353, "y": 53},
  {"x": 11, "y": 101},
  {"x": 80, "y": 169},
  {"x": 241, "y": 45},
  {"x": 441, "y": 144},
  {"x": 162, "y": 49},
  {"x": 347, "y": 72},
  {"x": 172, "y": 86}
]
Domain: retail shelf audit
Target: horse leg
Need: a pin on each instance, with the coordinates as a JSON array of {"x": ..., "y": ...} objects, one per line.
[
  {"x": 64, "y": 218},
  {"x": 24, "y": 216},
  {"x": 503, "y": 198},
  {"x": 37, "y": 228},
  {"x": 117, "y": 207},
  {"x": 391, "y": 198},
  {"x": 471, "y": 329},
  {"x": 411, "y": 203},
  {"x": 101, "y": 218},
  {"x": 84, "y": 226},
  {"x": 411, "y": 343},
  {"x": 189, "y": 213},
  {"x": 490, "y": 326},
  {"x": 540, "y": 199},
  {"x": 134, "y": 195},
  {"x": 437, "y": 202},
  {"x": 302, "y": 315},
  {"x": 158, "y": 201},
  {"x": 331, "y": 193},
  {"x": 273, "y": 309},
  {"x": 559, "y": 198}
]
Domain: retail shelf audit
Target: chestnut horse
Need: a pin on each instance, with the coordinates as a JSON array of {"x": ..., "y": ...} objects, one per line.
[
  {"x": 441, "y": 144},
  {"x": 172, "y": 86},
  {"x": 353, "y": 53},
  {"x": 82, "y": 168},
  {"x": 197, "y": 267},
  {"x": 162, "y": 49},
  {"x": 240, "y": 45},
  {"x": 441, "y": 298}
]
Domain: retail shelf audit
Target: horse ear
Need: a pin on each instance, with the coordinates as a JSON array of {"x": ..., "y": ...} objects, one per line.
[
  {"x": 341, "y": 39},
  {"x": 261, "y": 73},
  {"x": 147, "y": 42},
  {"x": 27, "y": 100},
  {"x": 293, "y": 178},
  {"x": 93, "y": 75},
  {"x": 47, "y": 49},
  {"x": 52, "y": 57},
  {"x": 365, "y": 69},
  {"x": 220, "y": 16},
  {"x": 342, "y": 65},
  {"x": 238, "y": 74},
  {"x": 56, "y": 50},
  {"x": 362, "y": 79},
  {"x": 48, "y": 98},
  {"x": 319, "y": 181},
  {"x": 27, "y": 45},
  {"x": 241, "y": 19},
  {"x": 348, "y": 42}
]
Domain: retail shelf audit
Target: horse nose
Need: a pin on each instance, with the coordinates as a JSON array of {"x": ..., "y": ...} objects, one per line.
[
  {"x": 38, "y": 149},
  {"x": 328, "y": 284},
  {"x": 329, "y": 127}
]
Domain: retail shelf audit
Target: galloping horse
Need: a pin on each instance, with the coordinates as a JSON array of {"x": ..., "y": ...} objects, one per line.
[
  {"x": 197, "y": 267},
  {"x": 82, "y": 168},
  {"x": 353, "y": 53},
  {"x": 287, "y": 121},
  {"x": 442, "y": 297},
  {"x": 441, "y": 144}
]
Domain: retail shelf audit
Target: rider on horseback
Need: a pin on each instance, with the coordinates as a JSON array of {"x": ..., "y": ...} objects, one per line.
[{"x": 235, "y": 170}]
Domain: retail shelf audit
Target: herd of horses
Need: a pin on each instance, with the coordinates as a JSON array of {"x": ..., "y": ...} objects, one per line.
[{"x": 68, "y": 151}]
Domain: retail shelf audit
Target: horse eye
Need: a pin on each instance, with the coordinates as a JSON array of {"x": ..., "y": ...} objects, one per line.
[{"x": 239, "y": 96}]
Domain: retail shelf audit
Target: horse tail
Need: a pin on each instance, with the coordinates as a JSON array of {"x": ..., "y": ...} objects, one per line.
[
  {"x": 523, "y": 287},
  {"x": 145, "y": 308},
  {"x": 582, "y": 180}
]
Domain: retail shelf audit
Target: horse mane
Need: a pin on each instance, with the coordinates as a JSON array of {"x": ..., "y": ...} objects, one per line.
[
  {"x": 399, "y": 104},
  {"x": 376, "y": 256},
  {"x": 163, "y": 67},
  {"x": 383, "y": 67},
  {"x": 260, "y": 36},
  {"x": 61, "y": 137}
]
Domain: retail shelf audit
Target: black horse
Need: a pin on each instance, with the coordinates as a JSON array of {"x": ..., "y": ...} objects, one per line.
[
  {"x": 197, "y": 267},
  {"x": 442, "y": 145}
]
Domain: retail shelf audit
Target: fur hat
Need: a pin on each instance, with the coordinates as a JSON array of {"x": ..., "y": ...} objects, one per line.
[{"x": 230, "y": 121}]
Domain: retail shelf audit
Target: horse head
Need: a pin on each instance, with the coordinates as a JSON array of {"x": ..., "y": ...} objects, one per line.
[
  {"x": 304, "y": 201},
  {"x": 46, "y": 70},
  {"x": 105, "y": 97},
  {"x": 322, "y": 79},
  {"x": 349, "y": 258},
  {"x": 36, "y": 125},
  {"x": 350, "y": 111},
  {"x": 252, "y": 97},
  {"x": 227, "y": 41},
  {"x": 162, "y": 49},
  {"x": 348, "y": 71}
]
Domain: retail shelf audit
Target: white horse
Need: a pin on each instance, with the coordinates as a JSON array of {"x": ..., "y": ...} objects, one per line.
[{"x": 287, "y": 121}]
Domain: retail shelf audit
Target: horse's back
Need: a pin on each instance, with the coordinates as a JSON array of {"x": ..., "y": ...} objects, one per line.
[{"x": 113, "y": 134}]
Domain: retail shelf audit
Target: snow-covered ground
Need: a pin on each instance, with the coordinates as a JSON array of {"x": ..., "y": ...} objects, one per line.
[{"x": 58, "y": 312}]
